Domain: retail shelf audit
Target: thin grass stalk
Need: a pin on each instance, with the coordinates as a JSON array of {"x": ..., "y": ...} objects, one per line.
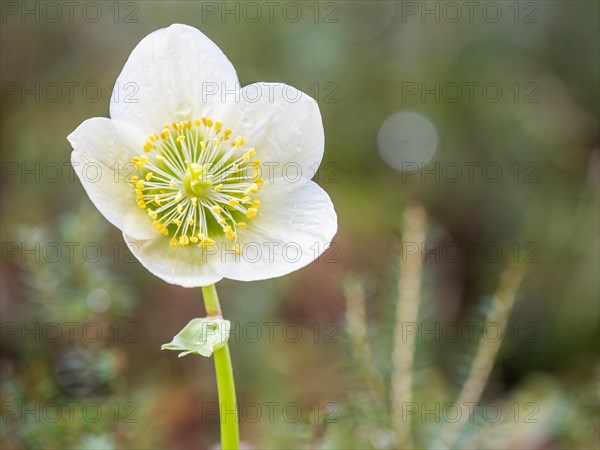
[
  {"x": 356, "y": 321},
  {"x": 486, "y": 353},
  {"x": 407, "y": 312}
]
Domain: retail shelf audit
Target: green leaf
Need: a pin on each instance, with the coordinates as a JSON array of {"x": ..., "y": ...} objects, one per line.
[{"x": 201, "y": 337}]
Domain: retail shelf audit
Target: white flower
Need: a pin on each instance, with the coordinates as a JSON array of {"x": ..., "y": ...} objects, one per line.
[{"x": 217, "y": 178}]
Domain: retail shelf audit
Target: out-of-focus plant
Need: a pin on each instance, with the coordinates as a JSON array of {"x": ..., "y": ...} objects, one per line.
[
  {"x": 391, "y": 411},
  {"x": 71, "y": 394}
]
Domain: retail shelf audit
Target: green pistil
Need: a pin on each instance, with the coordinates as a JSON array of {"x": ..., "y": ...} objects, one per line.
[{"x": 197, "y": 180}]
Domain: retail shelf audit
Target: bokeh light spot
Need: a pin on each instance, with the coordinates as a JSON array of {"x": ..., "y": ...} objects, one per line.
[{"x": 406, "y": 139}]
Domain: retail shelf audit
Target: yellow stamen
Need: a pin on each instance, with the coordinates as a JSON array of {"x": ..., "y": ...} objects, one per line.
[
  {"x": 238, "y": 141},
  {"x": 229, "y": 232},
  {"x": 249, "y": 154}
]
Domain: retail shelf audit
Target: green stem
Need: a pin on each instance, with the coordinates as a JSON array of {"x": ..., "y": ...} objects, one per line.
[{"x": 230, "y": 437}]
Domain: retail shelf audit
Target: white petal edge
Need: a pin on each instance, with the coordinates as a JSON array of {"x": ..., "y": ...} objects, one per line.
[
  {"x": 295, "y": 225},
  {"x": 283, "y": 124},
  {"x": 185, "y": 266},
  {"x": 175, "y": 73},
  {"x": 101, "y": 158}
]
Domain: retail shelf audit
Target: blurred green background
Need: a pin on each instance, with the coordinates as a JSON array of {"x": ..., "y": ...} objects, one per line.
[{"x": 506, "y": 87}]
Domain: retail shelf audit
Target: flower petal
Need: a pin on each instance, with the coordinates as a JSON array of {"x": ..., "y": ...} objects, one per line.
[
  {"x": 101, "y": 158},
  {"x": 283, "y": 124},
  {"x": 169, "y": 77},
  {"x": 185, "y": 266},
  {"x": 295, "y": 224}
]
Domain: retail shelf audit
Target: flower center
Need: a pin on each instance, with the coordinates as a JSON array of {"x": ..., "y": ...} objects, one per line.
[
  {"x": 197, "y": 179},
  {"x": 195, "y": 182}
]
